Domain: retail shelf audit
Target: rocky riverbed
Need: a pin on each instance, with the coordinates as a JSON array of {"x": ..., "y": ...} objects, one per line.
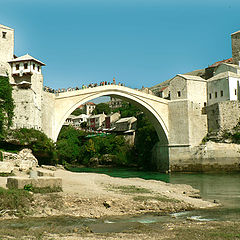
[{"x": 98, "y": 195}]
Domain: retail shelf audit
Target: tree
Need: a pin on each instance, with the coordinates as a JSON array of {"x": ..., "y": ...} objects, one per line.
[
  {"x": 146, "y": 138},
  {"x": 127, "y": 110},
  {"x": 6, "y": 105},
  {"x": 42, "y": 147},
  {"x": 69, "y": 145},
  {"x": 77, "y": 112},
  {"x": 102, "y": 108}
]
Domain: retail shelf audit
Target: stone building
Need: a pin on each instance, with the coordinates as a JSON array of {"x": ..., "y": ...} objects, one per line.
[
  {"x": 95, "y": 122},
  {"x": 76, "y": 121},
  {"x": 223, "y": 87},
  {"x": 87, "y": 107},
  {"x": 125, "y": 124},
  {"x": 6, "y": 49},
  {"x": 111, "y": 119},
  {"x": 115, "y": 103},
  {"x": 26, "y": 79},
  {"x": 192, "y": 88}
]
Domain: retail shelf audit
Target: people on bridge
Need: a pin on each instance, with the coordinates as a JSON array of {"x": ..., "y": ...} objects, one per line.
[{"x": 91, "y": 85}]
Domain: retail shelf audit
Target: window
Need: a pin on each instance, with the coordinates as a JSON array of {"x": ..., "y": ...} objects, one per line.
[
  {"x": 205, "y": 104},
  {"x": 210, "y": 96},
  {"x": 25, "y": 66},
  {"x": 215, "y": 94},
  {"x": 222, "y": 93},
  {"x": 4, "y": 34},
  {"x": 179, "y": 93},
  {"x": 235, "y": 91},
  {"x": 39, "y": 68},
  {"x": 33, "y": 66},
  {"x": 17, "y": 66}
]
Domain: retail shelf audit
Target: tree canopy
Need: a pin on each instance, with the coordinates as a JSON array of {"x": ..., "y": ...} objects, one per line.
[{"x": 102, "y": 108}]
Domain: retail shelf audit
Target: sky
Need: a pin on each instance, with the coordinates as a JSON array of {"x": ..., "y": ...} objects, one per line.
[{"x": 139, "y": 42}]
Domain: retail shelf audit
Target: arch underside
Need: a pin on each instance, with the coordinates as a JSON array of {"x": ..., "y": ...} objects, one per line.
[{"x": 145, "y": 106}]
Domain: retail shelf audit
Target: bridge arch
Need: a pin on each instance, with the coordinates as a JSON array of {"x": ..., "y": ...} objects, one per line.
[{"x": 155, "y": 108}]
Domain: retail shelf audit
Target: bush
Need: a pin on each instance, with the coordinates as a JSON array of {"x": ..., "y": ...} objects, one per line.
[
  {"x": 42, "y": 147},
  {"x": 15, "y": 201}
]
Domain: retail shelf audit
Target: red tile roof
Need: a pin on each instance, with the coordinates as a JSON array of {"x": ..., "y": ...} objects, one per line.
[
  {"x": 163, "y": 88},
  {"x": 229, "y": 60}
]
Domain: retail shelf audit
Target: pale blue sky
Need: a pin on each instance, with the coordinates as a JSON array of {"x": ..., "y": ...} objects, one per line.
[{"x": 139, "y": 42}]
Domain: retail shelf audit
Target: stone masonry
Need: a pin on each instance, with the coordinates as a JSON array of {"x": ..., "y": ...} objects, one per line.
[{"x": 223, "y": 115}]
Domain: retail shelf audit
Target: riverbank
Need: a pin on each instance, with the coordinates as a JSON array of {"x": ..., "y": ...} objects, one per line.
[{"x": 94, "y": 195}]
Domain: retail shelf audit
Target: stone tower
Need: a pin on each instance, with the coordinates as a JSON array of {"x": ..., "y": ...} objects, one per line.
[
  {"x": 6, "y": 48},
  {"x": 236, "y": 47},
  {"x": 27, "y": 82}
]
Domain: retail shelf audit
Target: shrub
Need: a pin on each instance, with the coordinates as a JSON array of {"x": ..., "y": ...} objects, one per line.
[
  {"x": 15, "y": 201},
  {"x": 42, "y": 147}
]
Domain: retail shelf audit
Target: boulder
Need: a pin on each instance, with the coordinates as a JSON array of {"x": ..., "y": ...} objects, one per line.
[
  {"x": 93, "y": 161},
  {"x": 6, "y": 167},
  {"x": 24, "y": 160},
  {"x": 107, "y": 159}
]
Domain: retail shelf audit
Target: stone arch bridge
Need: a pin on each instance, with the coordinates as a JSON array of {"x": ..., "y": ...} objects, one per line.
[
  {"x": 171, "y": 119},
  {"x": 65, "y": 103}
]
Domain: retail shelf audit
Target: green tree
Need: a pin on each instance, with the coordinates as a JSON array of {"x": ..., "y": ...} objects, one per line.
[
  {"x": 42, "y": 147},
  {"x": 146, "y": 138},
  {"x": 77, "y": 112},
  {"x": 6, "y": 105},
  {"x": 69, "y": 145},
  {"x": 127, "y": 110},
  {"x": 102, "y": 108}
]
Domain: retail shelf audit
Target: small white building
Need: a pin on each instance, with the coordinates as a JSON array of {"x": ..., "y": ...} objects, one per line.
[
  {"x": 78, "y": 120},
  {"x": 223, "y": 87},
  {"x": 125, "y": 124},
  {"x": 26, "y": 65},
  {"x": 192, "y": 88}
]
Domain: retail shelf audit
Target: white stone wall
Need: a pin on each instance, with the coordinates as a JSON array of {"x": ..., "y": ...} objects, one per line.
[
  {"x": 187, "y": 124},
  {"x": 229, "y": 86},
  {"x": 30, "y": 69},
  {"x": 48, "y": 113},
  {"x": 28, "y": 103},
  {"x": 193, "y": 90},
  {"x": 197, "y": 92}
]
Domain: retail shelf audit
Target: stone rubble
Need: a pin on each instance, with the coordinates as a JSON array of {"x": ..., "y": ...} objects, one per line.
[{"x": 23, "y": 161}]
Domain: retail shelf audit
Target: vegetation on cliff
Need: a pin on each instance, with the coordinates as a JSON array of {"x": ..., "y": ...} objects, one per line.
[
  {"x": 226, "y": 136},
  {"x": 43, "y": 148},
  {"x": 6, "y": 105}
]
